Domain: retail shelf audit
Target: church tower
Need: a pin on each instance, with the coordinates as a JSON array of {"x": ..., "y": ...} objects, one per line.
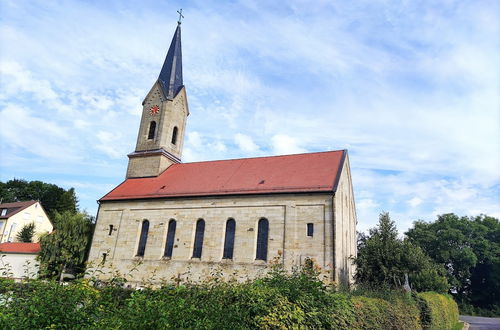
[{"x": 163, "y": 121}]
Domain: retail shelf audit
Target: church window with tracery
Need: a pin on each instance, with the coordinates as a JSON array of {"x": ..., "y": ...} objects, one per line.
[
  {"x": 143, "y": 238},
  {"x": 174, "y": 135},
  {"x": 169, "y": 246},
  {"x": 229, "y": 239},
  {"x": 152, "y": 130},
  {"x": 198, "y": 238},
  {"x": 262, "y": 238}
]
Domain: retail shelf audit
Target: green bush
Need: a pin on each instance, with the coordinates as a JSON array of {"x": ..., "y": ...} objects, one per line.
[
  {"x": 437, "y": 311},
  {"x": 278, "y": 301},
  {"x": 376, "y": 313},
  {"x": 40, "y": 304}
]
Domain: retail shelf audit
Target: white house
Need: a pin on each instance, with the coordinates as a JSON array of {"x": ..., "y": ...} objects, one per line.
[
  {"x": 13, "y": 216},
  {"x": 18, "y": 260}
]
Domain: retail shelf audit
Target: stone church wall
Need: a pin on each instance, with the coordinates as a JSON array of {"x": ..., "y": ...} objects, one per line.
[
  {"x": 288, "y": 216},
  {"x": 345, "y": 227}
]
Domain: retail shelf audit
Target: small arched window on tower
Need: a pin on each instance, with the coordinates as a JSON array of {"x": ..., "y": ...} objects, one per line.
[
  {"x": 262, "y": 237},
  {"x": 143, "y": 239},
  {"x": 174, "y": 135},
  {"x": 229, "y": 239},
  {"x": 198, "y": 238},
  {"x": 152, "y": 130},
  {"x": 172, "y": 224}
]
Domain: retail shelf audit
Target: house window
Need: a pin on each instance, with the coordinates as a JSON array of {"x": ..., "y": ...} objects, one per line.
[
  {"x": 310, "y": 229},
  {"x": 229, "y": 239},
  {"x": 4, "y": 212},
  {"x": 110, "y": 230},
  {"x": 262, "y": 237},
  {"x": 143, "y": 239},
  {"x": 152, "y": 130},
  {"x": 198, "y": 238},
  {"x": 26, "y": 215},
  {"x": 169, "y": 246},
  {"x": 174, "y": 135}
]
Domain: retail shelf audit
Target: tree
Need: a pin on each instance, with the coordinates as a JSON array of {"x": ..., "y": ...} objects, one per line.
[
  {"x": 66, "y": 247},
  {"x": 469, "y": 248},
  {"x": 26, "y": 233},
  {"x": 52, "y": 197},
  {"x": 384, "y": 259}
]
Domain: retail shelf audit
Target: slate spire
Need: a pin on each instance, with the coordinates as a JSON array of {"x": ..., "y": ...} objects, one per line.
[{"x": 170, "y": 77}]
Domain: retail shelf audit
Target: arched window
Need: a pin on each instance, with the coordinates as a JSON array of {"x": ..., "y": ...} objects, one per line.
[
  {"x": 229, "y": 239},
  {"x": 170, "y": 238},
  {"x": 143, "y": 239},
  {"x": 198, "y": 238},
  {"x": 152, "y": 130},
  {"x": 174, "y": 135},
  {"x": 262, "y": 236}
]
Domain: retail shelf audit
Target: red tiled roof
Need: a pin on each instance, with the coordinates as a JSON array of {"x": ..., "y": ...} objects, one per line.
[
  {"x": 28, "y": 248},
  {"x": 13, "y": 208},
  {"x": 312, "y": 172}
]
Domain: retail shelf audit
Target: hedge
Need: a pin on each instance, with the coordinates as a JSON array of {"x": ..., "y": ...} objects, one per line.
[
  {"x": 437, "y": 311},
  {"x": 279, "y": 301}
]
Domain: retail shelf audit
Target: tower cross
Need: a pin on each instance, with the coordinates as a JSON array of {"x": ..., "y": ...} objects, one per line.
[{"x": 180, "y": 16}]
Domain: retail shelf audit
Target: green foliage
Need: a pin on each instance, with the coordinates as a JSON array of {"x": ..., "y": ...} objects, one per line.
[
  {"x": 377, "y": 313},
  {"x": 66, "y": 247},
  {"x": 26, "y": 233},
  {"x": 384, "y": 259},
  {"x": 48, "y": 305},
  {"x": 437, "y": 311},
  {"x": 469, "y": 248},
  {"x": 280, "y": 300},
  {"x": 53, "y": 198}
]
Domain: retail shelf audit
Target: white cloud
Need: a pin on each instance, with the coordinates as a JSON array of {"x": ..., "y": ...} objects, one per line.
[
  {"x": 418, "y": 110},
  {"x": 17, "y": 80},
  {"x": 415, "y": 201},
  {"x": 284, "y": 144},
  {"x": 245, "y": 143}
]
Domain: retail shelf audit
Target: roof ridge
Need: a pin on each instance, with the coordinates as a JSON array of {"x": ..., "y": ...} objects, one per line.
[{"x": 260, "y": 157}]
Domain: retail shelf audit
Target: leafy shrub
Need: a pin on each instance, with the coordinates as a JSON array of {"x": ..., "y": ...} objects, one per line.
[
  {"x": 376, "y": 313},
  {"x": 279, "y": 301},
  {"x": 39, "y": 304},
  {"x": 437, "y": 311}
]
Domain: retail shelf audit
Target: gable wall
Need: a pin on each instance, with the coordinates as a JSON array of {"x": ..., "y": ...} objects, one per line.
[
  {"x": 288, "y": 242},
  {"x": 345, "y": 227}
]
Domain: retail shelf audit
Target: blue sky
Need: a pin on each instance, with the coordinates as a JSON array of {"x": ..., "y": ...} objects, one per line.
[{"x": 410, "y": 88}]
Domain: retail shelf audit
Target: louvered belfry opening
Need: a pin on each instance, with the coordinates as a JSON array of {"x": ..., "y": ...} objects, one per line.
[{"x": 152, "y": 130}]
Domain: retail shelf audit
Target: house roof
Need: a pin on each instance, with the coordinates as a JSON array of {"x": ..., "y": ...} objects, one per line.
[
  {"x": 27, "y": 248},
  {"x": 13, "y": 208},
  {"x": 311, "y": 172}
]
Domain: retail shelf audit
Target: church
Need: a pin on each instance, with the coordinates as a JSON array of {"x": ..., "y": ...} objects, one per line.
[{"x": 174, "y": 221}]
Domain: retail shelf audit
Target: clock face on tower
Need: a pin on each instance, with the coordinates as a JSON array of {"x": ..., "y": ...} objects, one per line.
[{"x": 154, "y": 110}]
